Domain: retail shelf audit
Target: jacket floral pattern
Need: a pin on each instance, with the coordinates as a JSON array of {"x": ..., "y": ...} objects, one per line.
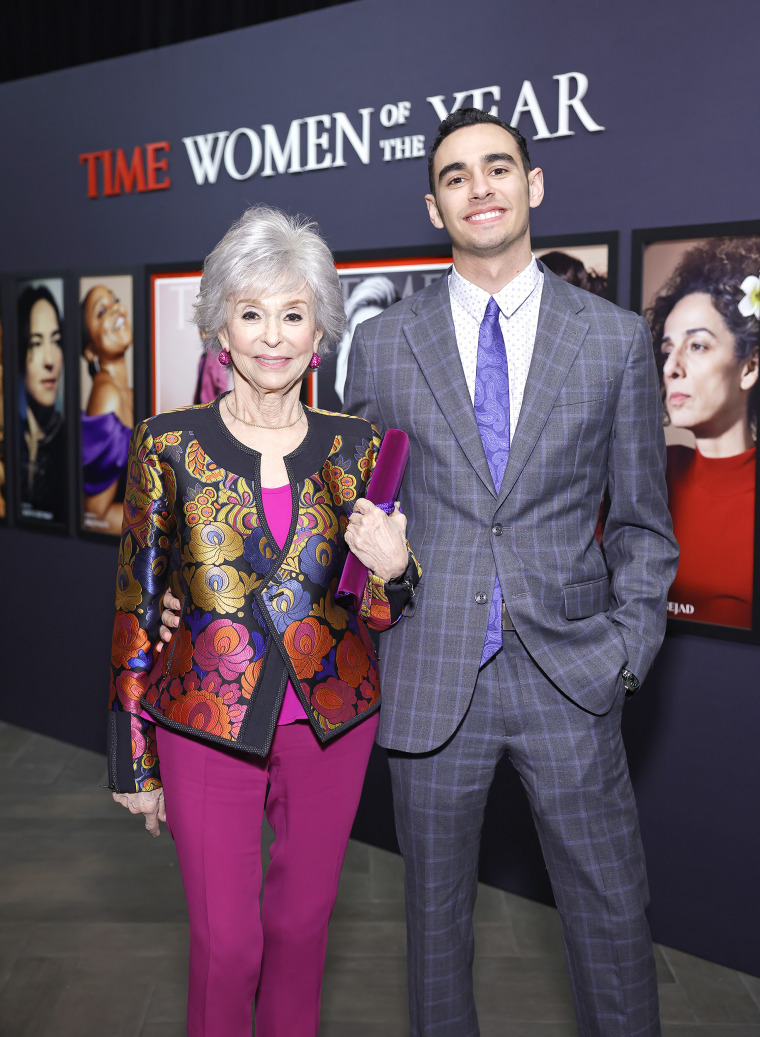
[{"x": 253, "y": 615}]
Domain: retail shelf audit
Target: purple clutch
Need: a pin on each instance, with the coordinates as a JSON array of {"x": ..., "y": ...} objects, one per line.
[{"x": 383, "y": 488}]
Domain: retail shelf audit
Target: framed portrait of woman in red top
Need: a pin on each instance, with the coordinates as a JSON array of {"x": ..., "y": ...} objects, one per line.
[{"x": 699, "y": 288}]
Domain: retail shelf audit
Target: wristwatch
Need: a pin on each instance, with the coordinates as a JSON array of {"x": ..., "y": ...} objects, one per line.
[
  {"x": 404, "y": 580},
  {"x": 631, "y": 682}
]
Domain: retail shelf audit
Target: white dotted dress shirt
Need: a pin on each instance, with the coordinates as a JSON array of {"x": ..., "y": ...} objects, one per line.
[{"x": 518, "y": 303}]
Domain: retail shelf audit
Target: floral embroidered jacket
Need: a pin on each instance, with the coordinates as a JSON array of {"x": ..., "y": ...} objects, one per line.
[{"x": 253, "y": 615}]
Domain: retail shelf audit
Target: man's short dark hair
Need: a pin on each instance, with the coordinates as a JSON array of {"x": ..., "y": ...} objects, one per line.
[{"x": 473, "y": 117}]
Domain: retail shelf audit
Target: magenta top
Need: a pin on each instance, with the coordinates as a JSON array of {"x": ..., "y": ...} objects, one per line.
[{"x": 278, "y": 510}]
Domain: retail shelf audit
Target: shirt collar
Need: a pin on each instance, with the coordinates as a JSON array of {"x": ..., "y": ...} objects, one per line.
[{"x": 511, "y": 297}]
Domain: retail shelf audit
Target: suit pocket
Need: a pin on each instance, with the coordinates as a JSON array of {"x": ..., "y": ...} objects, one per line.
[
  {"x": 573, "y": 395},
  {"x": 587, "y": 599}
]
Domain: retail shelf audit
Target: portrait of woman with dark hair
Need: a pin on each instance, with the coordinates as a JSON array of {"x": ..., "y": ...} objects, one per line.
[
  {"x": 43, "y": 492},
  {"x": 574, "y": 271},
  {"x": 706, "y": 333},
  {"x": 108, "y": 416}
]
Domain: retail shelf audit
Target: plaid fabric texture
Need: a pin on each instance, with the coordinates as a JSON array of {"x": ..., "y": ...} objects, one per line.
[
  {"x": 590, "y": 423},
  {"x": 573, "y": 767}
]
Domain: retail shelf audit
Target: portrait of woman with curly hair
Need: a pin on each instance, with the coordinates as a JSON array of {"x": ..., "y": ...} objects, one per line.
[{"x": 705, "y": 324}]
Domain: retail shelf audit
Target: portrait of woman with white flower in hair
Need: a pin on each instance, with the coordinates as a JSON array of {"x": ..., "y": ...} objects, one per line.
[{"x": 705, "y": 324}]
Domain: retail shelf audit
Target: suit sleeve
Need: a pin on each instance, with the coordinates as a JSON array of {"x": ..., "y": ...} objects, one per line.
[
  {"x": 641, "y": 551},
  {"x": 360, "y": 391},
  {"x": 140, "y": 583}
]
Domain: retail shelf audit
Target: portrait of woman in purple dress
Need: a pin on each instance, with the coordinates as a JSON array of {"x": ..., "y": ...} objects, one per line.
[{"x": 108, "y": 415}]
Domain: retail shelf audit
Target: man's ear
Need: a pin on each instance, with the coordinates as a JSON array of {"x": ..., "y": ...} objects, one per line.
[
  {"x": 536, "y": 187},
  {"x": 432, "y": 208}
]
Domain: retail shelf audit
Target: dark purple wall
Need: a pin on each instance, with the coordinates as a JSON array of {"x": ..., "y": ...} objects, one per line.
[{"x": 674, "y": 87}]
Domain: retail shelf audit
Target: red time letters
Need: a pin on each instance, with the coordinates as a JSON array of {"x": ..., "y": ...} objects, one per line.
[{"x": 120, "y": 176}]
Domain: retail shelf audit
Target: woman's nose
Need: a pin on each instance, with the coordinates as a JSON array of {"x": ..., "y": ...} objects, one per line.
[
  {"x": 271, "y": 331},
  {"x": 673, "y": 366}
]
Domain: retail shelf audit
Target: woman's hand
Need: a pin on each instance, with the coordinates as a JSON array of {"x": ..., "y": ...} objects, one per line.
[
  {"x": 150, "y": 804},
  {"x": 378, "y": 540},
  {"x": 169, "y": 619}
]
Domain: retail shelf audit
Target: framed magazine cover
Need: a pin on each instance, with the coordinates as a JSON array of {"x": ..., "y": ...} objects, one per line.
[
  {"x": 110, "y": 393},
  {"x": 38, "y": 370},
  {"x": 699, "y": 288},
  {"x": 589, "y": 261},
  {"x": 181, "y": 372},
  {"x": 371, "y": 282}
]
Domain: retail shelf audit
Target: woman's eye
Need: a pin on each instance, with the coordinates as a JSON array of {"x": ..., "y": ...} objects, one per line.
[
  {"x": 697, "y": 347},
  {"x": 294, "y": 317},
  {"x": 249, "y": 315}
]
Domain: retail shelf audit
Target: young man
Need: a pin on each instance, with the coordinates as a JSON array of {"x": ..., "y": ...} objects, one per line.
[{"x": 525, "y": 399}]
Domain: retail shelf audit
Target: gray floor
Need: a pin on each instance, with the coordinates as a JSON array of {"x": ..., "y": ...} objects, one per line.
[{"x": 93, "y": 932}]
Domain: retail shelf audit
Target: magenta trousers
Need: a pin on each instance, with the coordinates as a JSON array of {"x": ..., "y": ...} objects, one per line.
[{"x": 214, "y": 808}]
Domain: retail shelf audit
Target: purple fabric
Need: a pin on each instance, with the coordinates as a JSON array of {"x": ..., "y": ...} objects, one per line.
[
  {"x": 384, "y": 485},
  {"x": 105, "y": 448},
  {"x": 278, "y": 511},
  {"x": 492, "y": 413}
]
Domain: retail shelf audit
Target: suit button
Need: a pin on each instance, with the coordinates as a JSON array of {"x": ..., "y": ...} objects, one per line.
[
  {"x": 497, "y": 529},
  {"x": 481, "y": 597}
]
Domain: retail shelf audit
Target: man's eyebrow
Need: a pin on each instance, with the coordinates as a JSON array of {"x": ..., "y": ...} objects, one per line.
[
  {"x": 500, "y": 156},
  {"x": 450, "y": 169}
]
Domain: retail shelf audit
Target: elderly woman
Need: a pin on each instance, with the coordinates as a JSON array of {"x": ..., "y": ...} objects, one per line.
[
  {"x": 266, "y": 696},
  {"x": 43, "y": 484},
  {"x": 108, "y": 418},
  {"x": 707, "y": 339}
]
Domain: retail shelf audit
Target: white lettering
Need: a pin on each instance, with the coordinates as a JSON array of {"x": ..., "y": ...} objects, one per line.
[
  {"x": 395, "y": 114},
  {"x": 205, "y": 154},
  {"x": 478, "y": 101},
  {"x": 397, "y": 148},
  {"x": 316, "y": 140},
  {"x": 438, "y": 106},
  {"x": 565, "y": 102},
  {"x": 528, "y": 102},
  {"x": 273, "y": 152},
  {"x": 389, "y": 115},
  {"x": 229, "y": 153},
  {"x": 344, "y": 129}
]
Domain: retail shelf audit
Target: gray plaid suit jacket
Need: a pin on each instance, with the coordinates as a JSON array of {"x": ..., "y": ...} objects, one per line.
[{"x": 591, "y": 420}]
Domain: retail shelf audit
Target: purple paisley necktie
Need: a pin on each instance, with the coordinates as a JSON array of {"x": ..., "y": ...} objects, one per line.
[{"x": 492, "y": 414}]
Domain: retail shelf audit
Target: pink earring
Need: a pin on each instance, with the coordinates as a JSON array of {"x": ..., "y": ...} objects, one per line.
[
  {"x": 315, "y": 361},
  {"x": 224, "y": 358}
]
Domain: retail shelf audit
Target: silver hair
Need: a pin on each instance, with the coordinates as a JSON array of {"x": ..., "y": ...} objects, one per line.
[
  {"x": 267, "y": 252},
  {"x": 372, "y": 291}
]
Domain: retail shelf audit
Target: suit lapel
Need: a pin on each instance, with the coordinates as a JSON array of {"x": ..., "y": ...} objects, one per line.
[
  {"x": 432, "y": 339},
  {"x": 559, "y": 335}
]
